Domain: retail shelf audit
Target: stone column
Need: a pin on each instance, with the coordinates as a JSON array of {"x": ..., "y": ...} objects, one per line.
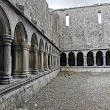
[
  {"x": 75, "y": 59},
  {"x": 5, "y": 77},
  {"x": 94, "y": 58},
  {"x": 41, "y": 61},
  {"x": 46, "y": 62},
  {"x": 85, "y": 59},
  {"x": 104, "y": 58},
  {"x": 35, "y": 71},
  {"x": 25, "y": 59},
  {"x": 67, "y": 59}
]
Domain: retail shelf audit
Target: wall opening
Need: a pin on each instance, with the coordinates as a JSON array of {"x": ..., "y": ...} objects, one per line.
[
  {"x": 71, "y": 59},
  {"x": 67, "y": 20},
  {"x": 80, "y": 60},
  {"x": 90, "y": 59},
  {"x": 99, "y": 17},
  {"x": 99, "y": 58},
  {"x": 63, "y": 61},
  {"x": 108, "y": 58}
]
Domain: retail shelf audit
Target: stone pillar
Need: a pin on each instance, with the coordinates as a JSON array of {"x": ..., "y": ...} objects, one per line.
[
  {"x": 41, "y": 61},
  {"x": 67, "y": 59},
  {"x": 5, "y": 77},
  {"x": 25, "y": 59},
  {"x": 104, "y": 58},
  {"x": 85, "y": 59},
  {"x": 46, "y": 62},
  {"x": 75, "y": 59},
  {"x": 35, "y": 71},
  {"x": 94, "y": 58}
]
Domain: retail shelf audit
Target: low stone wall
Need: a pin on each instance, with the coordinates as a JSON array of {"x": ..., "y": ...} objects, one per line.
[
  {"x": 92, "y": 70},
  {"x": 14, "y": 96}
]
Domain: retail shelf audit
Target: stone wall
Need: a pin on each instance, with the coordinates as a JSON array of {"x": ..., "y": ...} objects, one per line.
[
  {"x": 84, "y": 31},
  {"x": 15, "y": 99},
  {"x": 38, "y": 12}
]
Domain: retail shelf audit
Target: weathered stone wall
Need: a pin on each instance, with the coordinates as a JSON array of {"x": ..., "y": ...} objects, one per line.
[
  {"x": 84, "y": 31},
  {"x": 15, "y": 99},
  {"x": 38, "y": 11}
]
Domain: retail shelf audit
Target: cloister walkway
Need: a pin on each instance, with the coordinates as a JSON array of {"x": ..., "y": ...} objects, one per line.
[{"x": 77, "y": 91}]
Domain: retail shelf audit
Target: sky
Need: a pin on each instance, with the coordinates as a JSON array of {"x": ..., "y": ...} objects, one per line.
[{"x": 56, "y": 4}]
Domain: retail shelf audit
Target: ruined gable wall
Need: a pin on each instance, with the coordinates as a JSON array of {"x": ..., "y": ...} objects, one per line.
[{"x": 84, "y": 31}]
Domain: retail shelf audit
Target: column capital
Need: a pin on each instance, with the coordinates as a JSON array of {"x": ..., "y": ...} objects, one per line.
[
  {"x": 35, "y": 48},
  {"x": 6, "y": 39},
  {"x": 25, "y": 45},
  {"x": 41, "y": 51}
]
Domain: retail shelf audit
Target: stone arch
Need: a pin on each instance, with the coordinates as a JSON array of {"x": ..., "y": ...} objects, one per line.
[
  {"x": 20, "y": 36},
  {"x": 108, "y": 58},
  {"x": 63, "y": 61},
  {"x": 4, "y": 23},
  {"x": 41, "y": 44},
  {"x": 32, "y": 54},
  {"x": 71, "y": 59},
  {"x": 46, "y": 47},
  {"x": 80, "y": 59},
  {"x": 99, "y": 58},
  {"x": 90, "y": 59}
]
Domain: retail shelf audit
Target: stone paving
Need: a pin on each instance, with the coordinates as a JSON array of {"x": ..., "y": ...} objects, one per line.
[{"x": 79, "y": 91}]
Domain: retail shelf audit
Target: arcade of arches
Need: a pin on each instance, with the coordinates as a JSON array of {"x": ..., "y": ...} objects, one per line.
[{"x": 91, "y": 58}]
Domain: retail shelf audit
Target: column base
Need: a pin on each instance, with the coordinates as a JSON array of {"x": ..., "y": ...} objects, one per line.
[
  {"x": 47, "y": 69},
  {"x": 5, "y": 79},
  {"x": 41, "y": 70},
  {"x": 34, "y": 72},
  {"x": 20, "y": 75}
]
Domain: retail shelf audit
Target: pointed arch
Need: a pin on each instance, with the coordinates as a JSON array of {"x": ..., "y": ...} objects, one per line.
[
  {"x": 4, "y": 23},
  {"x": 46, "y": 47},
  {"x": 34, "y": 40},
  {"x": 20, "y": 34},
  {"x": 41, "y": 44}
]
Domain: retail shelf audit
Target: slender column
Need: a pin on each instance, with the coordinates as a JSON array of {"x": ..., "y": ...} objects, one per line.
[
  {"x": 35, "y": 71},
  {"x": 25, "y": 59},
  {"x": 42, "y": 61},
  {"x": 67, "y": 59},
  {"x": 75, "y": 59},
  {"x": 104, "y": 58},
  {"x": 5, "y": 77},
  {"x": 46, "y": 62},
  {"x": 95, "y": 59},
  {"x": 85, "y": 59}
]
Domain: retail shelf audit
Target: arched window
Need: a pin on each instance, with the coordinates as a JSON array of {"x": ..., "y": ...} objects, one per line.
[
  {"x": 99, "y": 58},
  {"x": 67, "y": 20},
  {"x": 99, "y": 17},
  {"x": 71, "y": 59},
  {"x": 108, "y": 58},
  {"x": 90, "y": 59},
  {"x": 80, "y": 60},
  {"x": 63, "y": 61}
]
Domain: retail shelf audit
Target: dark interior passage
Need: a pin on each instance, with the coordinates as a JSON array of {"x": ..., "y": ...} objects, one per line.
[
  {"x": 71, "y": 59},
  {"x": 90, "y": 59},
  {"x": 63, "y": 61},
  {"x": 80, "y": 60},
  {"x": 108, "y": 58},
  {"x": 99, "y": 58}
]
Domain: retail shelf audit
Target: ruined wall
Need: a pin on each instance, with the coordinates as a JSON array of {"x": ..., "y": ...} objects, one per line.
[
  {"x": 38, "y": 11},
  {"x": 84, "y": 31}
]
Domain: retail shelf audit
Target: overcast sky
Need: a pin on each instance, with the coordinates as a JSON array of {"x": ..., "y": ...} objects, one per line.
[{"x": 56, "y": 4}]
